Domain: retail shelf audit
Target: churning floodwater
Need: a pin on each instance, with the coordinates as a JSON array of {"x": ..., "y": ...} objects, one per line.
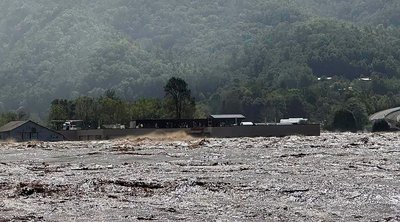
[{"x": 334, "y": 177}]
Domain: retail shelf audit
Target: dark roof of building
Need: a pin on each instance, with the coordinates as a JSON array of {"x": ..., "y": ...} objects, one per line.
[
  {"x": 12, "y": 125},
  {"x": 228, "y": 116}
]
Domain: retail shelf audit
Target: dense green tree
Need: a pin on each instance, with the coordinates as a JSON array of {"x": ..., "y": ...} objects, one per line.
[
  {"x": 61, "y": 110},
  {"x": 275, "y": 107},
  {"x": 8, "y": 117},
  {"x": 344, "y": 120},
  {"x": 146, "y": 109},
  {"x": 87, "y": 109},
  {"x": 112, "y": 111},
  {"x": 380, "y": 126},
  {"x": 359, "y": 111},
  {"x": 177, "y": 91}
]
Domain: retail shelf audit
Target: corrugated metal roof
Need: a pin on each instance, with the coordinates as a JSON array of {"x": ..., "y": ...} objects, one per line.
[
  {"x": 12, "y": 125},
  {"x": 383, "y": 114},
  {"x": 228, "y": 116},
  {"x": 394, "y": 116}
]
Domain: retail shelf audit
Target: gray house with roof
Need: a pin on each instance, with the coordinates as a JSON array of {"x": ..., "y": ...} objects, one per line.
[{"x": 27, "y": 131}]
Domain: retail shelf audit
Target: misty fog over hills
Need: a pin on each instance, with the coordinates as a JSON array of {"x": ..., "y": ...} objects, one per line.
[{"x": 262, "y": 58}]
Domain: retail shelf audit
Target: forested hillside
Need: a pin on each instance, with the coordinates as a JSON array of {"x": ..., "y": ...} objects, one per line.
[{"x": 265, "y": 58}]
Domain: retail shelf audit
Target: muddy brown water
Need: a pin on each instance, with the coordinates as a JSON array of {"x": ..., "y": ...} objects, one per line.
[{"x": 334, "y": 177}]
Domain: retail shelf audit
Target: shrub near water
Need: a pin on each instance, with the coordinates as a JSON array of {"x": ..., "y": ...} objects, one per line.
[
  {"x": 380, "y": 126},
  {"x": 344, "y": 120}
]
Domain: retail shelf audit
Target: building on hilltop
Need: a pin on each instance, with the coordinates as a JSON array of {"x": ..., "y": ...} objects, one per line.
[{"x": 28, "y": 130}]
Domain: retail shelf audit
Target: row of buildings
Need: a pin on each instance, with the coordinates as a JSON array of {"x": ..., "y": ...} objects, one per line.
[{"x": 229, "y": 125}]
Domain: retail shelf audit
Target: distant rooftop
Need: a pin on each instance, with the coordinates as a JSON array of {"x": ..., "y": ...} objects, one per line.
[
  {"x": 228, "y": 116},
  {"x": 12, "y": 125}
]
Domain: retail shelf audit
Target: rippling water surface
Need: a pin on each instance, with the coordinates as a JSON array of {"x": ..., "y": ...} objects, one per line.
[{"x": 334, "y": 177}]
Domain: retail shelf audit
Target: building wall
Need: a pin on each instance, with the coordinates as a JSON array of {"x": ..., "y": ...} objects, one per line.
[
  {"x": 266, "y": 131},
  {"x": 105, "y": 134},
  {"x": 32, "y": 131},
  {"x": 218, "y": 132},
  {"x": 4, "y": 135},
  {"x": 70, "y": 135}
]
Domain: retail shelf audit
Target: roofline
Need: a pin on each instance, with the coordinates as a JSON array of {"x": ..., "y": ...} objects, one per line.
[
  {"x": 167, "y": 119},
  {"x": 393, "y": 110},
  {"x": 24, "y": 122},
  {"x": 27, "y": 121},
  {"x": 54, "y": 131},
  {"x": 230, "y": 116}
]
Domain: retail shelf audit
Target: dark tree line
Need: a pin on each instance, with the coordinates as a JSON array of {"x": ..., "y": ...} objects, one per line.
[{"x": 110, "y": 109}]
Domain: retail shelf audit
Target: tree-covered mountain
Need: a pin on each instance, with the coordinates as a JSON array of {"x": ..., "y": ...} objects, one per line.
[
  {"x": 371, "y": 12},
  {"x": 259, "y": 57}
]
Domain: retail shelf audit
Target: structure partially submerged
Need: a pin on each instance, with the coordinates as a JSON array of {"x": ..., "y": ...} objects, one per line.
[
  {"x": 27, "y": 131},
  {"x": 389, "y": 116},
  {"x": 211, "y": 121},
  {"x": 219, "y": 126}
]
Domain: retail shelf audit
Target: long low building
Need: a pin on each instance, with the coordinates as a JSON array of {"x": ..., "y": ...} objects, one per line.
[
  {"x": 218, "y": 126},
  {"x": 214, "y": 132}
]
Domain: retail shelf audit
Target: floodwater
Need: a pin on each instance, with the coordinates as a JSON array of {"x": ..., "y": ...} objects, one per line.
[{"x": 334, "y": 177}]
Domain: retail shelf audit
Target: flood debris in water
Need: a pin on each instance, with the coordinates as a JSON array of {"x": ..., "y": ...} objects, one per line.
[{"x": 334, "y": 177}]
